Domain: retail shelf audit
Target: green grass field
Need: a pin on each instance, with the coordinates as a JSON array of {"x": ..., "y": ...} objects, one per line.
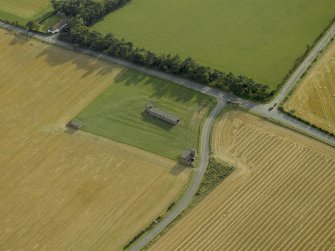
[
  {"x": 258, "y": 38},
  {"x": 23, "y": 10},
  {"x": 119, "y": 114}
]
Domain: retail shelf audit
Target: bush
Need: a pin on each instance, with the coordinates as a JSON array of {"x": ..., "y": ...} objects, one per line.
[
  {"x": 90, "y": 10},
  {"x": 216, "y": 172},
  {"x": 32, "y": 25}
]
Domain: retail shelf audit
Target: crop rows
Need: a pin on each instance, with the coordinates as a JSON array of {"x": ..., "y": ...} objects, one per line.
[
  {"x": 63, "y": 189},
  {"x": 314, "y": 99},
  {"x": 285, "y": 201}
]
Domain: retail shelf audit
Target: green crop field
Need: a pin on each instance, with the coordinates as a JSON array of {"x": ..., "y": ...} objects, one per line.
[
  {"x": 119, "y": 114},
  {"x": 23, "y": 10},
  {"x": 257, "y": 38}
]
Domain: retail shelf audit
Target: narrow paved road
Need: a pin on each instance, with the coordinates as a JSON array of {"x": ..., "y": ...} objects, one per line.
[
  {"x": 258, "y": 109},
  {"x": 194, "y": 184},
  {"x": 281, "y": 118},
  {"x": 289, "y": 85}
]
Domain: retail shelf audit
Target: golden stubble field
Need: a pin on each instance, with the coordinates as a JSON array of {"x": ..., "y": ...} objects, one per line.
[
  {"x": 65, "y": 190},
  {"x": 314, "y": 98},
  {"x": 280, "y": 197}
]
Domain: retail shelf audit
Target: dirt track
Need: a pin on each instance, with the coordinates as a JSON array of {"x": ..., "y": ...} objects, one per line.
[
  {"x": 66, "y": 190},
  {"x": 281, "y": 196},
  {"x": 314, "y": 98}
]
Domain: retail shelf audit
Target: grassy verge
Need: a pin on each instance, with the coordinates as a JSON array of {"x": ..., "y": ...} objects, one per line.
[{"x": 215, "y": 173}]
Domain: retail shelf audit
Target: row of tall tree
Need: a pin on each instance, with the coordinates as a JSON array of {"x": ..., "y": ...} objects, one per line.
[
  {"x": 79, "y": 34},
  {"x": 90, "y": 10}
]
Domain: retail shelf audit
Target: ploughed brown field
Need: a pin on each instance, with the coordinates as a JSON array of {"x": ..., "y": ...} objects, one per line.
[
  {"x": 280, "y": 197},
  {"x": 314, "y": 98},
  {"x": 62, "y": 189}
]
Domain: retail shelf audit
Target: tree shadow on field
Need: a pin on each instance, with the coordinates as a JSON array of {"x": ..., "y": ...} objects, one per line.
[
  {"x": 90, "y": 65},
  {"x": 160, "y": 87},
  {"x": 177, "y": 169},
  {"x": 19, "y": 39}
]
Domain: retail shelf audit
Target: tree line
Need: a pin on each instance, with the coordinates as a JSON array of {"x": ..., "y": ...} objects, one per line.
[
  {"x": 86, "y": 12},
  {"x": 90, "y": 10}
]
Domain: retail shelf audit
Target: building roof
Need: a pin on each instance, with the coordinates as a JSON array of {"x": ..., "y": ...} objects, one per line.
[
  {"x": 75, "y": 123},
  {"x": 187, "y": 154},
  {"x": 164, "y": 114},
  {"x": 61, "y": 24}
]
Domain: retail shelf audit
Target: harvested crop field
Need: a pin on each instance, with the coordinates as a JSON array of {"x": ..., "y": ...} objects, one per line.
[
  {"x": 257, "y": 38},
  {"x": 314, "y": 98},
  {"x": 62, "y": 189},
  {"x": 23, "y": 10},
  {"x": 280, "y": 197}
]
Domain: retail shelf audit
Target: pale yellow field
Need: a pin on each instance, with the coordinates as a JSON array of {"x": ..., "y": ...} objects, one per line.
[
  {"x": 65, "y": 190},
  {"x": 281, "y": 197},
  {"x": 314, "y": 98}
]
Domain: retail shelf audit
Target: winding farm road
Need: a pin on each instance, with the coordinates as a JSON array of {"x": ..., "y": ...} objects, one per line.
[
  {"x": 259, "y": 109},
  {"x": 194, "y": 184}
]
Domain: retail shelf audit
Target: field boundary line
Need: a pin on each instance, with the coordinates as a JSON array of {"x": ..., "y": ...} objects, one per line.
[{"x": 259, "y": 109}]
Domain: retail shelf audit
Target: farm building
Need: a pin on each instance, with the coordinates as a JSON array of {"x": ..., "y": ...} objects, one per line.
[
  {"x": 74, "y": 124},
  {"x": 229, "y": 102},
  {"x": 59, "y": 26},
  {"x": 187, "y": 157},
  {"x": 159, "y": 114}
]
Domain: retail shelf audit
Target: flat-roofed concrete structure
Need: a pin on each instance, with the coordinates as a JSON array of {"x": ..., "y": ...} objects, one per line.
[
  {"x": 74, "y": 124},
  {"x": 187, "y": 157},
  {"x": 159, "y": 114}
]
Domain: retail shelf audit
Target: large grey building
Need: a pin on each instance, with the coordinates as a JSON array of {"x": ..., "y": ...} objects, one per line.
[{"x": 159, "y": 114}]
